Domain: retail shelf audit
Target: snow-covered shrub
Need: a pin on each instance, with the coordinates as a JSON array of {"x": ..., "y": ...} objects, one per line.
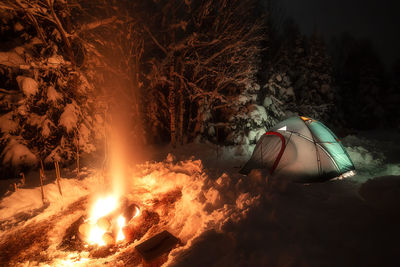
[{"x": 16, "y": 154}]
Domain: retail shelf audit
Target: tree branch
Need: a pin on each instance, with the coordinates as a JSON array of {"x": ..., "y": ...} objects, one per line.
[
  {"x": 96, "y": 24},
  {"x": 155, "y": 41}
]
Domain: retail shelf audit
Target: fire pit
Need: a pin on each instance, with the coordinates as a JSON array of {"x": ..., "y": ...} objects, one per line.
[
  {"x": 108, "y": 221},
  {"x": 111, "y": 223}
]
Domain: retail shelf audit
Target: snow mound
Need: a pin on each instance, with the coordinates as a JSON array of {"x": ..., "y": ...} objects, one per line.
[
  {"x": 11, "y": 59},
  {"x": 204, "y": 204},
  {"x": 27, "y": 200},
  {"x": 363, "y": 159},
  {"x": 7, "y": 123},
  {"x": 27, "y": 85},
  {"x": 17, "y": 154},
  {"x": 369, "y": 158},
  {"x": 197, "y": 207}
]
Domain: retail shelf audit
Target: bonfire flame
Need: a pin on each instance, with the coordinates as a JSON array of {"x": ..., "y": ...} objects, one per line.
[
  {"x": 102, "y": 228},
  {"x": 109, "y": 215},
  {"x": 121, "y": 223}
]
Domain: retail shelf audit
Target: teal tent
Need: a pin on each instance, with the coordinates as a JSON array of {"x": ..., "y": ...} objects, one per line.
[{"x": 301, "y": 149}]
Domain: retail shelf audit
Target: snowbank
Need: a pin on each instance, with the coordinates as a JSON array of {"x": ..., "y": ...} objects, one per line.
[
  {"x": 369, "y": 157},
  {"x": 7, "y": 123},
  {"x": 27, "y": 85},
  {"x": 201, "y": 204},
  {"x": 224, "y": 218},
  {"x": 11, "y": 59},
  {"x": 16, "y": 154}
]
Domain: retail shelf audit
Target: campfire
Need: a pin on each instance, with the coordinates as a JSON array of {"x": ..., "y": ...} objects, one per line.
[
  {"x": 113, "y": 223},
  {"x": 109, "y": 222}
]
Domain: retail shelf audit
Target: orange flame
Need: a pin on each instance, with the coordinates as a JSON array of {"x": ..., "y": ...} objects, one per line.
[{"x": 121, "y": 223}]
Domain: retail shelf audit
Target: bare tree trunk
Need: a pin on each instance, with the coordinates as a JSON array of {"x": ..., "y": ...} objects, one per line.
[
  {"x": 182, "y": 110},
  {"x": 138, "y": 55},
  {"x": 172, "y": 110}
]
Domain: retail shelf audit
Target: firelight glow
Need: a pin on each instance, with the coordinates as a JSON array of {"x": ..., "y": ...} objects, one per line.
[
  {"x": 102, "y": 207},
  {"x": 96, "y": 236},
  {"x": 121, "y": 223}
]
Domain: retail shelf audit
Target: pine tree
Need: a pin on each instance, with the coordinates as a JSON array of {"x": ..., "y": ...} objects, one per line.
[
  {"x": 360, "y": 78},
  {"x": 48, "y": 105},
  {"x": 316, "y": 96}
]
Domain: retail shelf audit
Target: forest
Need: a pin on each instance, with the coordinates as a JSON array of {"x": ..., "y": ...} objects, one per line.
[{"x": 194, "y": 71}]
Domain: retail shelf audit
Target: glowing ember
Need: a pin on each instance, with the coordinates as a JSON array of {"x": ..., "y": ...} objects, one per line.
[
  {"x": 96, "y": 236},
  {"x": 137, "y": 213},
  {"x": 121, "y": 223}
]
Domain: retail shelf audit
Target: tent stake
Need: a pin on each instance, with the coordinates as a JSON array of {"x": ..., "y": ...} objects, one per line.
[
  {"x": 41, "y": 184},
  {"x": 77, "y": 154},
  {"x": 58, "y": 176}
]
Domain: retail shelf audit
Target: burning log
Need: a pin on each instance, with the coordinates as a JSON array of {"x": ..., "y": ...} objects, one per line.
[
  {"x": 84, "y": 230},
  {"x": 103, "y": 223},
  {"x": 108, "y": 239}
]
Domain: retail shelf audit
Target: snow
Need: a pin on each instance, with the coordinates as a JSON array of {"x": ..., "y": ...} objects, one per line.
[
  {"x": 27, "y": 85},
  {"x": 17, "y": 154},
  {"x": 258, "y": 114},
  {"x": 52, "y": 94},
  {"x": 69, "y": 118},
  {"x": 368, "y": 155},
  {"x": 255, "y": 134},
  {"x": 55, "y": 155},
  {"x": 7, "y": 124},
  {"x": 226, "y": 219},
  {"x": 42, "y": 122},
  {"x": 18, "y": 27},
  {"x": 55, "y": 60},
  {"x": 46, "y": 125},
  {"x": 267, "y": 101},
  {"x": 85, "y": 139},
  {"x": 11, "y": 59}
]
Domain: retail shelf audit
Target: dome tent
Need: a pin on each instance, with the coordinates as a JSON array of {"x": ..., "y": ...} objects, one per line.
[{"x": 301, "y": 149}]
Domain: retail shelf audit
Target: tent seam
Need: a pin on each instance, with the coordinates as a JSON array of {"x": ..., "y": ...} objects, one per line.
[{"x": 323, "y": 149}]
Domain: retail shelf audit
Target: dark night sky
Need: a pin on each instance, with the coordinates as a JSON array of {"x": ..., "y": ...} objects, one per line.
[{"x": 377, "y": 20}]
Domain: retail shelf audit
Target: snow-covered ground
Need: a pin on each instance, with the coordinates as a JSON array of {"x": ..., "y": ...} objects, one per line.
[{"x": 224, "y": 218}]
